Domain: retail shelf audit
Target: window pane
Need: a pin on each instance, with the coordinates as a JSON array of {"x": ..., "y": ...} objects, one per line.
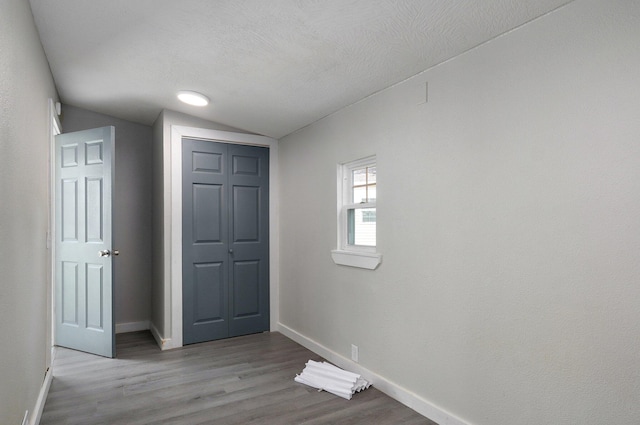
[
  {"x": 359, "y": 194},
  {"x": 371, "y": 175},
  {"x": 359, "y": 176},
  {"x": 361, "y": 226},
  {"x": 369, "y": 216},
  {"x": 372, "y": 193}
]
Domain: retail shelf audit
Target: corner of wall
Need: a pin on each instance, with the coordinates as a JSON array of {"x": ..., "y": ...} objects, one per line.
[{"x": 157, "y": 237}]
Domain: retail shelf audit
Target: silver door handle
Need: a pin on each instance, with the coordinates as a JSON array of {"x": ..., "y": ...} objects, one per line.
[{"x": 107, "y": 253}]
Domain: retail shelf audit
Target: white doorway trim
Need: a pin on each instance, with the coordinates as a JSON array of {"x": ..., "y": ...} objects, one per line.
[
  {"x": 173, "y": 215},
  {"x": 54, "y": 129}
]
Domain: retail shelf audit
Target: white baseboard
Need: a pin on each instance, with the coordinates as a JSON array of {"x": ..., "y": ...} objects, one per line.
[
  {"x": 163, "y": 343},
  {"x": 42, "y": 396},
  {"x": 122, "y": 328},
  {"x": 393, "y": 390}
]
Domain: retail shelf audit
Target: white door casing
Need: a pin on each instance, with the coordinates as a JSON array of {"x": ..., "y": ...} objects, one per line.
[{"x": 172, "y": 336}]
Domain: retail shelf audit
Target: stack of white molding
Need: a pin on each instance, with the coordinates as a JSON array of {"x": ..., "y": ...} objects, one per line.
[{"x": 327, "y": 377}]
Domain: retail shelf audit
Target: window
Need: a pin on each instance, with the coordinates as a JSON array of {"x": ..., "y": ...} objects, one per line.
[
  {"x": 360, "y": 205},
  {"x": 357, "y": 233}
]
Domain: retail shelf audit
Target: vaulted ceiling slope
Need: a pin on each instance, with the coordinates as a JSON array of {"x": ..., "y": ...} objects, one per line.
[{"x": 270, "y": 67}]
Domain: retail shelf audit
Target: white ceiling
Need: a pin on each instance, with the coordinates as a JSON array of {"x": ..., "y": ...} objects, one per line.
[{"x": 270, "y": 67}]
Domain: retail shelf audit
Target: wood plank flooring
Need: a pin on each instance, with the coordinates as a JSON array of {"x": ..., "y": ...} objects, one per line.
[{"x": 244, "y": 380}]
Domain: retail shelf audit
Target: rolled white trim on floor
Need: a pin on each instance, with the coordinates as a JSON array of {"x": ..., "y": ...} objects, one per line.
[{"x": 393, "y": 390}]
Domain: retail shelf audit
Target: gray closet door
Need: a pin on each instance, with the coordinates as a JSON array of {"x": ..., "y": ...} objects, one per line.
[{"x": 225, "y": 247}]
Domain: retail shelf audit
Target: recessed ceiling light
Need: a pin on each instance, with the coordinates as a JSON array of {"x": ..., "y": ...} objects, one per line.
[{"x": 193, "y": 98}]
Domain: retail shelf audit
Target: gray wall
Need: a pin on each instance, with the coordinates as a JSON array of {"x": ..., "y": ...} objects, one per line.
[
  {"x": 508, "y": 218},
  {"x": 132, "y": 210},
  {"x": 25, "y": 304}
]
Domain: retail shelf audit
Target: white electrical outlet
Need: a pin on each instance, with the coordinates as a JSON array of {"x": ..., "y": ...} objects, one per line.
[{"x": 354, "y": 353}]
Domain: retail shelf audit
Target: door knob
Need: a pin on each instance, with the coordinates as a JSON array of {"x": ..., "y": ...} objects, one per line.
[
  {"x": 104, "y": 253},
  {"x": 116, "y": 253},
  {"x": 231, "y": 251}
]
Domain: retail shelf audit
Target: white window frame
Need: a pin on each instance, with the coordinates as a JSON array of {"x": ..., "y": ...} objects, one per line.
[{"x": 346, "y": 254}]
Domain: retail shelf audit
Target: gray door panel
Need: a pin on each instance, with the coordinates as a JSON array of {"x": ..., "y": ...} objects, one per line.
[{"x": 249, "y": 227}]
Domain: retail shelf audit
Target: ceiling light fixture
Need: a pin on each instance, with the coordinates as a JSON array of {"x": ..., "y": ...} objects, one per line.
[{"x": 193, "y": 98}]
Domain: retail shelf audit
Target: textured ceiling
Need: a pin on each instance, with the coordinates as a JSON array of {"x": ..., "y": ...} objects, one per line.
[{"x": 270, "y": 67}]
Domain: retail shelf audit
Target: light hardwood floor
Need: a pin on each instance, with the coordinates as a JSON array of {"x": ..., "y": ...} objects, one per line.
[{"x": 244, "y": 380}]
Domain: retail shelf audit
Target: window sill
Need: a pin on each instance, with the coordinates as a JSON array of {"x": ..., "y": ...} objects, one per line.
[{"x": 363, "y": 260}]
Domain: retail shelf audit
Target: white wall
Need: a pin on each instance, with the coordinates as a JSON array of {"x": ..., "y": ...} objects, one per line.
[
  {"x": 508, "y": 218},
  {"x": 132, "y": 213},
  {"x": 25, "y": 86}
]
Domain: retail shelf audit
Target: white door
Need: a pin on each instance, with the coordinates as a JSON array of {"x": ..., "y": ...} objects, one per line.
[{"x": 84, "y": 244}]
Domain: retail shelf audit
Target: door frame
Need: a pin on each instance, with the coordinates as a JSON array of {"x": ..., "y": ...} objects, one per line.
[
  {"x": 173, "y": 225},
  {"x": 55, "y": 128}
]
